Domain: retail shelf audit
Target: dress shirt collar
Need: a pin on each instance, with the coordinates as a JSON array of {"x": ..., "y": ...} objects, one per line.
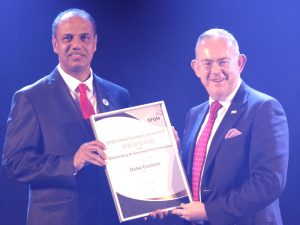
[
  {"x": 229, "y": 98},
  {"x": 73, "y": 83}
]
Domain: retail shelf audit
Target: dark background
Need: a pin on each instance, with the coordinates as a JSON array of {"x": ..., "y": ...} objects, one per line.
[{"x": 146, "y": 46}]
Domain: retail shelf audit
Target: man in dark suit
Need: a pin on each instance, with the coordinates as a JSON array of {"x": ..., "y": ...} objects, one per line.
[
  {"x": 49, "y": 142},
  {"x": 246, "y": 144}
]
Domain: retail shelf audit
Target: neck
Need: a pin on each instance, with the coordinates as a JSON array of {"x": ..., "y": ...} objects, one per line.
[{"x": 81, "y": 75}]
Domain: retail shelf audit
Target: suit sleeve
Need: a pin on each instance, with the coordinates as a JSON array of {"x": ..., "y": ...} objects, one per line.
[
  {"x": 268, "y": 160},
  {"x": 23, "y": 157}
]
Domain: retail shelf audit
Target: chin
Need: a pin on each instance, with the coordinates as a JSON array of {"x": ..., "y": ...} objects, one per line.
[
  {"x": 218, "y": 96},
  {"x": 77, "y": 68}
]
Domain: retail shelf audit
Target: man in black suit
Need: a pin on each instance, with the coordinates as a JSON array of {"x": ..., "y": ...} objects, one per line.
[{"x": 49, "y": 143}]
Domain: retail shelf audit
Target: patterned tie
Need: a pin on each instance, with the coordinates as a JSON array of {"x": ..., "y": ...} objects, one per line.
[
  {"x": 200, "y": 149},
  {"x": 86, "y": 107}
]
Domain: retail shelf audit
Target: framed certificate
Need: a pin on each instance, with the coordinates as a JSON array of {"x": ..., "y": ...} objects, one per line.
[{"x": 144, "y": 169}]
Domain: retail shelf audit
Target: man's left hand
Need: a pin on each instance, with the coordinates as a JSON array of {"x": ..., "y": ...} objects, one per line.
[{"x": 193, "y": 211}]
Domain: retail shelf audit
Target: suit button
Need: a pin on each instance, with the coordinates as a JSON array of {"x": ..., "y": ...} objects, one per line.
[{"x": 206, "y": 191}]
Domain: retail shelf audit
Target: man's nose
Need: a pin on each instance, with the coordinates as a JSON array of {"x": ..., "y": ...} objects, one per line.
[
  {"x": 215, "y": 67},
  {"x": 76, "y": 43}
]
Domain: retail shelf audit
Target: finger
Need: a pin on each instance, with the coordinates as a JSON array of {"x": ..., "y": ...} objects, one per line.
[
  {"x": 153, "y": 215},
  {"x": 97, "y": 162},
  {"x": 95, "y": 147},
  {"x": 99, "y": 152},
  {"x": 160, "y": 215},
  {"x": 180, "y": 206},
  {"x": 100, "y": 144},
  {"x": 89, "y": 157},
  {"x": 177, "y": 211},
  {"x": 94, "y": 159},
  {"x": 166, "y": 213}
]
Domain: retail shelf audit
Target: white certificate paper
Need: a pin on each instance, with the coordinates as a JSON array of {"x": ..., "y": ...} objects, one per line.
[{"x": 143, "y": 166}]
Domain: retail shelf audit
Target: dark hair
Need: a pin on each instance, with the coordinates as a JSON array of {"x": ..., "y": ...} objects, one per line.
[{"x": 69, "y": 13}]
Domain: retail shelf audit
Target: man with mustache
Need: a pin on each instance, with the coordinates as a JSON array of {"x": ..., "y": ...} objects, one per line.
[
  {"x": 235, "y": 145},
  {"x": 49, "y": 141}
]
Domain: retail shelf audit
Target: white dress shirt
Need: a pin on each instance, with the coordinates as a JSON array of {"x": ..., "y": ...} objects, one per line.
[{"x": 72, "y": 84}]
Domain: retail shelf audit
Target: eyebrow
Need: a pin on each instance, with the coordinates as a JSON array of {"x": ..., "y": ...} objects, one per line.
[
  {"x": 85, "y": 33},
  {"x": 222, "y": 58}
]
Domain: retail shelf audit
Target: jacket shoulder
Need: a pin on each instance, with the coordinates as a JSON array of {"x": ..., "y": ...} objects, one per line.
[{"x": 108, "y": 84}]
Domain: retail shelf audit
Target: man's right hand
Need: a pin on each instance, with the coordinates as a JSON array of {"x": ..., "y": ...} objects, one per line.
[
  {"x": 90, "y": 153},
  {"x": 161, "y": 214}
]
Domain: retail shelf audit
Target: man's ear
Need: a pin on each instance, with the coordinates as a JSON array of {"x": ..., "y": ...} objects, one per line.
[
  {"x": 95, "y": 42},
  {"x": 241, "y": 62},
  {"x": 194, "y": 65},
  {"x": 54, "y": 44}
]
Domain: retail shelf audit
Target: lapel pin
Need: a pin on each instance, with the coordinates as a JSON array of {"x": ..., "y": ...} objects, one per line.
[
  {"x": 233, "y": 111},
  {"x": 105, "y": 102}
]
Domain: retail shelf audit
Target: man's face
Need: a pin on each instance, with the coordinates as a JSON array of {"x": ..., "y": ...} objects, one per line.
[
  {"x": 75, "y": 43},
  {"x": 218, "y": 64}
]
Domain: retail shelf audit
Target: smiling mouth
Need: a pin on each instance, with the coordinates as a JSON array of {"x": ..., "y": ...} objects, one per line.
[
  {"x": 218, "y": 79},
  {"x": 76, "y": 54}
]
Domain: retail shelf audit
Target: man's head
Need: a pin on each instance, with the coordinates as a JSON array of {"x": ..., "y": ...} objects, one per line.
[
  {"x": 218, "y": 62},
  {"x": 74, "y": 40}
]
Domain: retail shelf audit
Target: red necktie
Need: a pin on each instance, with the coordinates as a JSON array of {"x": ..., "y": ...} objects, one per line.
[
  {"x": 200, "y": 149},
  {"x": 86, "y": 107}
]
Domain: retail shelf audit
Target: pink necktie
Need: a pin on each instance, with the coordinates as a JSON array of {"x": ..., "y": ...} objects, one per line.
[
  {"x": 200, "y": 149},
  {"x": 86, "y": 107}
]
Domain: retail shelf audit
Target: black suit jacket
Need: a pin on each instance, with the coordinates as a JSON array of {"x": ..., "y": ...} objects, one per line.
[
  {"x": 45, "y": 129},
  {"x": 243, "y": 175}
]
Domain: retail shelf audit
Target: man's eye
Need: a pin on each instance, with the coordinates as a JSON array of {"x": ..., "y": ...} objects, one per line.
[
  {"x": 206, "y": 64},
  {"x": 67, "y": 38},
  {"x": 223, "y": 62},
  {"x": 85, "y": 38}
]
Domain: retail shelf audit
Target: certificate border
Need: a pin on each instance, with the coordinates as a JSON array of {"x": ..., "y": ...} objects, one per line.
[{"x": 116, "y": 196}]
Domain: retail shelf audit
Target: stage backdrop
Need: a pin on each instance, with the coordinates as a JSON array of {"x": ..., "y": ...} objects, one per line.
[{"x": 147, "y": 46}]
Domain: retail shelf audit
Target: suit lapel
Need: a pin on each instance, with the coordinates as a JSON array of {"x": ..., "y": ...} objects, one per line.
[
  {"x": 199, "y": 120},
  {"x": 104, "y": 101},
  {"x": 200, "y": 114},
  {"x": 232, "y": 115},
  {"x": 69, "y": 111}
]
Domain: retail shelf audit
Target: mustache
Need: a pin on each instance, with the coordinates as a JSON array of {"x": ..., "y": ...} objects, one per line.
[
  {"x": 75, "y": 53},
  {"x": 70, "y": 51},
  {"x": 218, "y": 77}
]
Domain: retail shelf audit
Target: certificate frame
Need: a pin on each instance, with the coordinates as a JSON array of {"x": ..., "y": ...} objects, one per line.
[{"x": 144, "y": 169}]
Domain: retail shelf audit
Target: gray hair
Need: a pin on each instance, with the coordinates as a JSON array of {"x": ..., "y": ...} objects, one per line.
[
  {"x": 218, "y": 33},
  {"x": 70, "y": 13}
]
